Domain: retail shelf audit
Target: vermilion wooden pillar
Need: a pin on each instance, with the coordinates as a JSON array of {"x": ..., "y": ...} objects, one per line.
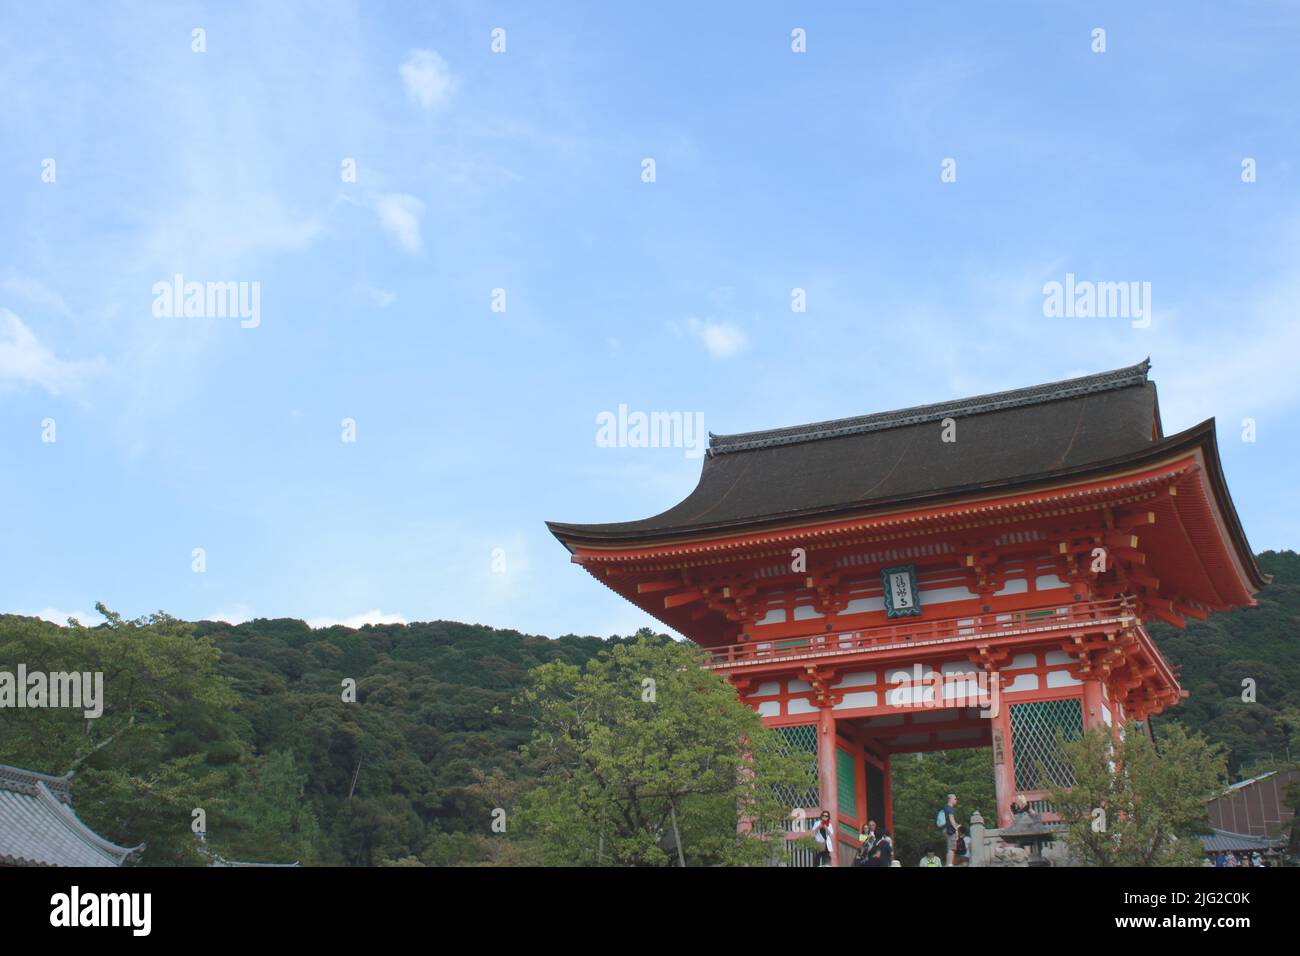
[
  {"x": 828, "y": 792},
  {"x": 1004, "y": 780},
  {"x": 1092, "y": 705}
]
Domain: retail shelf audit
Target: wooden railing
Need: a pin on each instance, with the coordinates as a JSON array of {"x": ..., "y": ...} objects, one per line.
[{"x": 921, "y": 633}]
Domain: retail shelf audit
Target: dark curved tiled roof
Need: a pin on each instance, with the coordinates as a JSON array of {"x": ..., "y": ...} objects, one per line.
[
  {"x": 38, "y": 827},
  {"x": 852, "y": 463},
  {"x": 921, "y": 414}
]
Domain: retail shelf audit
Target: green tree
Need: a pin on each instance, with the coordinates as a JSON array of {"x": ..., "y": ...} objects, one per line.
[
  {"x": 921, "y": 784},
  {"x": 649, "y": 759},
  {"x": 166, "y": 728},
  {"x": 265, "y": 818},
  {"x": 170, "y": 741},
  {"x": 1136, "y": 804}
]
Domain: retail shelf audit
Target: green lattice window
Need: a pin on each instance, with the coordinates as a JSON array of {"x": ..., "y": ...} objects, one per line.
[
  {"x": 1034, "y": 727},
  {"x": 846, "y": 784},
  {"x": 801, "y": 740}
]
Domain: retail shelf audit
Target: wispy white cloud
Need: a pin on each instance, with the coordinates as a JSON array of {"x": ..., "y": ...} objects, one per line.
[
  {"x": 357, "y": 620},
  {"x": 209, "y": 230},
  {"x": 87, "y": 618},
  {"x": 400, "y": 214},
  {"x": 379, "y": 297},
  {"x": 35, "y": 293},
  {"x": 232, "y": 615},
  {"x": 25, "y": 361},
  {"x": 1209, "y": 366},
  {"x": 429, "y": 81},
  {"x": 721, "y": 338}
]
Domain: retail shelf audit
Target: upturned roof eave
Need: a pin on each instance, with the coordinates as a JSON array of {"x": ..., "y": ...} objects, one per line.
[
  {"x": 612, "y": 534},
  {"x": 1201, "y": 436}
]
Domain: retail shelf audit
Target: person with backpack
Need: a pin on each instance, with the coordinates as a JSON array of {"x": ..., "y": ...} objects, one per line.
[
  {"x": 824, "y": 834},
  {"x": 946, "y": 822}
]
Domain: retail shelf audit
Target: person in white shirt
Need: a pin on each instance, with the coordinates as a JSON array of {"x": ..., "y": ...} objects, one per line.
[{"x": 824, "y": 834}]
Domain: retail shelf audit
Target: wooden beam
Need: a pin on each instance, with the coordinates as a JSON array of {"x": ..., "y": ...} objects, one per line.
[
  {"x": 651, "y": 587},
  {"x": 1134, "y": 519},
  {"x": 1168, "y": 616},
  {"x": 1129, "y": 555},
  {"x": 1144, "y": 579}
]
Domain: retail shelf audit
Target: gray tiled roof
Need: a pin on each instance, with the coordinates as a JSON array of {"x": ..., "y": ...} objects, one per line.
[
  {"x": 216, "y": 859},
  {"x": 1226, "y": 840},
  {"x": 38, "y": 827}
]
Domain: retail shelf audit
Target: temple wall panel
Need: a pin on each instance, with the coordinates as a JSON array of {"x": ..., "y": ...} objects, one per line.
[
  {"x": 946, "y": 590},
  {"x": 856, "y": 679}
]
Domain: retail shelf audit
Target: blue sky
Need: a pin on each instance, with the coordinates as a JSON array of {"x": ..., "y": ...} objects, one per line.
[{"x": 522, "y": 171}]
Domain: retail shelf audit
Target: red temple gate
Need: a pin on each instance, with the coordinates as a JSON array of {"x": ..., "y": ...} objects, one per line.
[{"x": 965, "y": 574}]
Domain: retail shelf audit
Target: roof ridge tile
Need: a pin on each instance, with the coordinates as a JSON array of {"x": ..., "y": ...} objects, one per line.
[{"x": 919, "y": 414}]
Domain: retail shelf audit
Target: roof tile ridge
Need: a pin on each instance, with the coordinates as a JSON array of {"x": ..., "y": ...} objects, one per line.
[
  {"x": 78, "y": 828},
  {"x": 920, "y": 414}
]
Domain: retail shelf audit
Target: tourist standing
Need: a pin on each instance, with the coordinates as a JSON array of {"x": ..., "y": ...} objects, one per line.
[
  {"x": 866, "y": 843},
  {"x": 947, "y": 818},
  {"x": 962, "y": 856},
  {"x": 824, "y": 834},
  {"x": 868, "y": 835}
]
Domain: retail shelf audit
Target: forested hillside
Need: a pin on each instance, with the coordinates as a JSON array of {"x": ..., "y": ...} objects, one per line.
[
  {"x": 249, "y": 723},
  {"x": 408, "y": 774},
  {"x": 1216, "y": 657}
]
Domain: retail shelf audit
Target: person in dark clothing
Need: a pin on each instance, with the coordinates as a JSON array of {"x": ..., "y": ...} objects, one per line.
[
  {"x": 882, "y": 854},
  {"x": 961, "y": 856}
]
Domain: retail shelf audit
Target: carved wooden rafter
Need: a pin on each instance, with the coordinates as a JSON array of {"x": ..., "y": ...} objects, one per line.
[
  {"x": 984, "y": 569},
  {"x": 821, "y": 678},
  {"x": 991, "y": 659},
  {"x": 824, "y": 580}
]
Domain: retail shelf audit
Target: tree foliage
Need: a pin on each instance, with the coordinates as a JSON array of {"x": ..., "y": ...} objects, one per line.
[
  {"x": 921, "y": 784},
  {"x": 1243, "y": 673},
  {"x": 643, "y": 751},
  {"x": 1138, "y": 804},
  {"x": 166, "y": 739}
]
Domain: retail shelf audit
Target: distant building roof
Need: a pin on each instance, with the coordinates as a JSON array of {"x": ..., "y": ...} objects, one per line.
[
  {"x": 1257, "y": 806},
  {"x": 216, "y": 859},
  {"x": 1226, "y": 841},
  {"x": 38, "y": 827},
  {"x": 1246, "y": 783}
]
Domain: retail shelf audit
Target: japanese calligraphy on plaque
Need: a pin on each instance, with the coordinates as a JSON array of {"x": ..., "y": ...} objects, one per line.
[{"x": 902, "y": 597}]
